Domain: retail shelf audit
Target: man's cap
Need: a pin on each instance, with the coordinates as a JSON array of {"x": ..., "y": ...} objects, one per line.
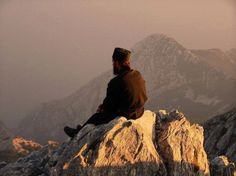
[{"x": 121, "y": 54}]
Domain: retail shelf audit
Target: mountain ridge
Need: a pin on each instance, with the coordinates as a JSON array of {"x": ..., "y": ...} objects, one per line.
[{"x": 175, "y": 78}]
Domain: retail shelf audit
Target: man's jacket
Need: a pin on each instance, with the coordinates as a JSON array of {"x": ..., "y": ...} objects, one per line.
[{"x": 126, "y": 95}]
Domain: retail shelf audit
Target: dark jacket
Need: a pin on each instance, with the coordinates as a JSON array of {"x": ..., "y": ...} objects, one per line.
[{"x": 126, "y": 95}]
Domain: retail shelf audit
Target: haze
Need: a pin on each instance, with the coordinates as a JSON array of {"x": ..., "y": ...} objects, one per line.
[{"x": 48, "y": 49}]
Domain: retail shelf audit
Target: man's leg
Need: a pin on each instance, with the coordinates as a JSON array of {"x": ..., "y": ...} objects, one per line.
[
  {"x": 95, "y": 119},
  {"x": 99, "y": 118}
]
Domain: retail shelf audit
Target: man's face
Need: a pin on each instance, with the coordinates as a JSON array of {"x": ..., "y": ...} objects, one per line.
[{"x": 116, "y": 67}]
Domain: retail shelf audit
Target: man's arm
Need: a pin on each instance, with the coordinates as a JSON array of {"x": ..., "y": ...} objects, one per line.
[{"x": 109, "y": 102}]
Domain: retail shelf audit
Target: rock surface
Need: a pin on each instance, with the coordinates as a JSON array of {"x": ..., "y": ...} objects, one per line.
[
  {"x": 220, "y": 135},
  {"x": 171, "y": 146}
]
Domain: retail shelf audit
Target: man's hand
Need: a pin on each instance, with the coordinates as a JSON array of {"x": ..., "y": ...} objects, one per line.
[{"x": 100, "y": 108}]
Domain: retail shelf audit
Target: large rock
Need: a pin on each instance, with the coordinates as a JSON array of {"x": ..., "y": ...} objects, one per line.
[
  {"x": 171, "y": 146},
  {"x": 122, "y": 147},
  {"x": 181, "y": 145},
  {"x": 220, "y": 135},
  {"x": 220, "y": 166}
]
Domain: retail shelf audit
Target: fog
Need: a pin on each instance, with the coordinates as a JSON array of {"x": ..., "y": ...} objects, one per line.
[{"x": 49, "y": 48}]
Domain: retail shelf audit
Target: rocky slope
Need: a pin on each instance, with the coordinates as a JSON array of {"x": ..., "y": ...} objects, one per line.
[
  {"x": 175, "y": 78},
  {"x": 164, "y": 145},
  {"x": 11, "y": 147},
  {"x": 220, "y": 135}
]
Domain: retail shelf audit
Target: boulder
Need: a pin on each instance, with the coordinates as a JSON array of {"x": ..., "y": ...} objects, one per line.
[{"x": 121, "y": 147}]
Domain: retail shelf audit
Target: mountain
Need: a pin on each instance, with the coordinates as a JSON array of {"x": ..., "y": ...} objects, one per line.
[
  {"x": 220, "y": 136},
  {"x": 176, "y": 77},
  {"x": 166, "y": 144}
]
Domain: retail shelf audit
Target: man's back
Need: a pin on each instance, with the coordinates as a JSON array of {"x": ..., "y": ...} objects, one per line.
[{"x": 126, "y": 94}]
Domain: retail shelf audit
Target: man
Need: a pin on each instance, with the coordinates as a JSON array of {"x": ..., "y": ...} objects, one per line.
[{"x": 126, "y": 94}]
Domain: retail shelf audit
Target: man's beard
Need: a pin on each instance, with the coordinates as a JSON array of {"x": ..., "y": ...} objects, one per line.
[{"x": 115, "y": 71}]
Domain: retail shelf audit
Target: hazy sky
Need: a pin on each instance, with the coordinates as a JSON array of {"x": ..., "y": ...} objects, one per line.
[{"x": 49, "y": 48}]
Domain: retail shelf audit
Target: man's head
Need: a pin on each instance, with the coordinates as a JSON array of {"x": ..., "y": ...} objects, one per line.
[{"x": 121, "y": 60}]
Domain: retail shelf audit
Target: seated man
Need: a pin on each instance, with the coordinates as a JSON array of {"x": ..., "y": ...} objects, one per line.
[{"x": 126, "y": 94}]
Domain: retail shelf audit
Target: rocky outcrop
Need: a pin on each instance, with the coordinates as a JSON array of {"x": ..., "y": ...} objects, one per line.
[
  {"x": 11, "y": 148},
  {"x": 16, "y": 147},
  {"x": 35, "y": 164},
  {"x": 164, "y": 145},
  {"x": 220, "y": 135}
]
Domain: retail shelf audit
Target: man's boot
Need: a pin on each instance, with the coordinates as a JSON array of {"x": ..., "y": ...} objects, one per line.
[{"x": 72, "y": 131}]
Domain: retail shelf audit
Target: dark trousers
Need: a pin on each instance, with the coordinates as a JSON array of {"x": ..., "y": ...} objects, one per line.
[{"x": 100, "y": 118}]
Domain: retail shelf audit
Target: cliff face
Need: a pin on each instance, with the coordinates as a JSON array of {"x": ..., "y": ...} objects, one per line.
[{"x": 166, "y": 144}]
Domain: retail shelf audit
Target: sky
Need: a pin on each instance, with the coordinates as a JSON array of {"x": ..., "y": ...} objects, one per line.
[{"x": 49, "y": 48}]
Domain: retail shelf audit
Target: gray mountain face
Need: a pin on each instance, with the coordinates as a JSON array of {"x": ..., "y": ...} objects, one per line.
[{"x": 175, "y": 78}]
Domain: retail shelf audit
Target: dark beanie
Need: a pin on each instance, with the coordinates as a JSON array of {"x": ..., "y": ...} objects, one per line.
[{"x": 121, "y": 54}]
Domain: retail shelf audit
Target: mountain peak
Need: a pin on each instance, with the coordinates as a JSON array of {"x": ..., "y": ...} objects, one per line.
[
  {"x": 158, "y": 41},
  {"x": 161, "y": 48}
]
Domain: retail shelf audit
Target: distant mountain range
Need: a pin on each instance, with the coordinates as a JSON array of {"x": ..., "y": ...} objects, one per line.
[{"x": 201, "y": 83}]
